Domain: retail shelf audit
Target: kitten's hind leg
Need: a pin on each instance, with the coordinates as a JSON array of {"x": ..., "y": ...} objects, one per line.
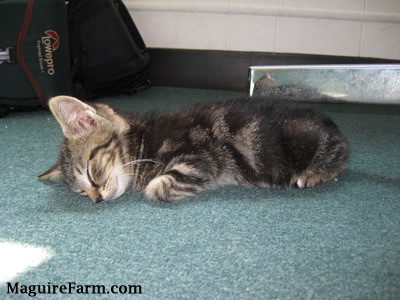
[{"x": 180, "y": 181}]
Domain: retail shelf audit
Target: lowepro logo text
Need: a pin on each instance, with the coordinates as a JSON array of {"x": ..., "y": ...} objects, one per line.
[{"x": 46, "y": 46}]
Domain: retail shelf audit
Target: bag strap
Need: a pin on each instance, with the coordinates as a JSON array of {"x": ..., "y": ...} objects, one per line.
[
  {"x": 73, "y": 27},
  {"x": 123, "y": 11},
  {"x": 75, "y": 46},
  {"x": 20, "y": 53},
  {"x": 74, "y": 37},
  {"x": 141, "y": 83}
]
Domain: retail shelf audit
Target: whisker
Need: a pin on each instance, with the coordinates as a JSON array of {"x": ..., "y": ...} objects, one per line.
[
  {"x": 132, "y": 174},
  {"x": 137, "y": 161},
  {"x": 134, "y": 162}
]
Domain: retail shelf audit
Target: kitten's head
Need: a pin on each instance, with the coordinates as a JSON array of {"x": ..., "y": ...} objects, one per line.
[{"x": 94, "y": 158}]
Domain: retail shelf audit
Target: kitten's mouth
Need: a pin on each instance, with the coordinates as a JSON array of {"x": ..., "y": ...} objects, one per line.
[{"x": 99, "y": 200}]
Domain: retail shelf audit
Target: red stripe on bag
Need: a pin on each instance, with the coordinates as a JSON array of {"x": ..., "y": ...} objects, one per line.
[{"x": 20, "y": 55}]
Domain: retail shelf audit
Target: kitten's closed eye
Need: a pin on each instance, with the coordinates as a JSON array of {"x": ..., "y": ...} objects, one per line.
[{"x": 90, "y": 176}]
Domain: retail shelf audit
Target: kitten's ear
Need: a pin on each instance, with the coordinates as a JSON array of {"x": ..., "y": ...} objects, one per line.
[
  {"x": 53, "y": 174},
  {"x": 75, "y": 117}
]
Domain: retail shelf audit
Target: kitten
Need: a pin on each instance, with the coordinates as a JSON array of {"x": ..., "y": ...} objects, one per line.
[{"x": 249, "y": 141}]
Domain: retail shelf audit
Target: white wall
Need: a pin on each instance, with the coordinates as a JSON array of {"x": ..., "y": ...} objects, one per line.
[{"x": 367, "y": 28}]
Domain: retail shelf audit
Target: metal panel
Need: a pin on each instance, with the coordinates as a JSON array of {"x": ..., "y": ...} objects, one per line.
[{"x": 372, "y": 83}]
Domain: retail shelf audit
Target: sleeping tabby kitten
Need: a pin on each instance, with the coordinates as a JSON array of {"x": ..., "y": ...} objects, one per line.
[{"x": 249, "y": 141}]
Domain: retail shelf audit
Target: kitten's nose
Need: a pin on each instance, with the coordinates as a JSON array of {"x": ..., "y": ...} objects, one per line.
[
  {"x": 99, "y": 199},
  {"x": 95, "y": 196}
]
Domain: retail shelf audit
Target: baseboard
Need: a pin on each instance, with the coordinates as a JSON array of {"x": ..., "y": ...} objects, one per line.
[{"x": 228, "y": 70}]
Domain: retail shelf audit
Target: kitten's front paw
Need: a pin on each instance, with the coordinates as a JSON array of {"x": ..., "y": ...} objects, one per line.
[
  {"x": 165, "y": 188},
  {"x": 312, "y": 180}
]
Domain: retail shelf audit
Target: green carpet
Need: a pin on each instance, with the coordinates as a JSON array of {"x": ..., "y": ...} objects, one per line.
[{"x": 340, "y": 240}]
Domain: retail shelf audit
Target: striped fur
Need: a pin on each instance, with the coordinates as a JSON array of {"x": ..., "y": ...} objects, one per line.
[{"x": 169, "y": 156}]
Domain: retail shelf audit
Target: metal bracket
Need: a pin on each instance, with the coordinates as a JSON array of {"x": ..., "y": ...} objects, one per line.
[{"x": 6, "y": 55}]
